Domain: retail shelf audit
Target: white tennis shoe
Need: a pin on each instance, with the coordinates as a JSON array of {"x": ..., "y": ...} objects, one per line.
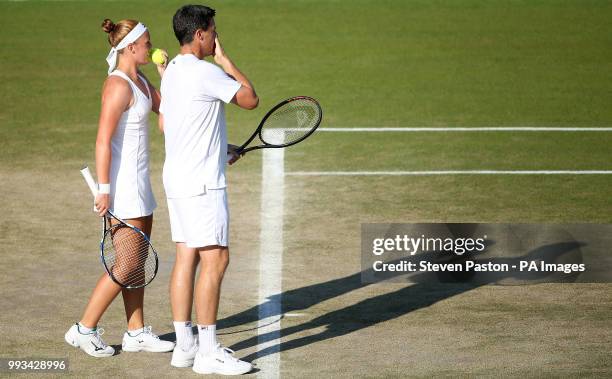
[
  {"x": 91, "y": 343},
  {"x": 145, "y": 341},
  {"x": 221, "y": 361},
  {"x": 184, "y": 358}
]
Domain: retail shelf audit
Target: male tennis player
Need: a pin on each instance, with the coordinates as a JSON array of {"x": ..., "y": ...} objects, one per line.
[{"x": 192, "y": 116}]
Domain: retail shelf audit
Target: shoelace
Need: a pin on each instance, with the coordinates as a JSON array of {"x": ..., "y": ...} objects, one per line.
[
  {"x": 147, "y": 330},
  {"x": 97, "y": 335},
  {"x": 227, "y": 352}
]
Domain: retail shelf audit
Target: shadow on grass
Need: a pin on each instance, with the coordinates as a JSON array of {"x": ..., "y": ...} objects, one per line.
[
  {"x": 385, "y": 307},
  {"x": 425, "y": 289}
]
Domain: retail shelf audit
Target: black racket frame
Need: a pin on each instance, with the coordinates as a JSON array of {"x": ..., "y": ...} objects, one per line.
[
  {"x": 107, "y": 228},
  {"x": 243, "y": 148}
]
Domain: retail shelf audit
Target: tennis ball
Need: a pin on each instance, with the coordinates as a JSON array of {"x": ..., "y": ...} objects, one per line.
[{"x": 157, "y": 56}]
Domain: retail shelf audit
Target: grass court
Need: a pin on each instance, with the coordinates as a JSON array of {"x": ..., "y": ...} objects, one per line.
[{"x": 374, "y": 64}]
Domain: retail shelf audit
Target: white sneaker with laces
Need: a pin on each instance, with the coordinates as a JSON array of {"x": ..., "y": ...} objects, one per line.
[
  {"x": 91, "y": 343},
  {"x": 145, "y": 341},
  {"x": 184, "y": 358},
  {"x": 221, "y": 361}
]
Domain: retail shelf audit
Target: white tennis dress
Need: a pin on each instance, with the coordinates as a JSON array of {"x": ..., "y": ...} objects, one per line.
[{"x": 131, "y": 193}]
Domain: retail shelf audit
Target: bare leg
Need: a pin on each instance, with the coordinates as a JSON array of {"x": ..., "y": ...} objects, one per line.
[
  {"x": 106, "y": 290},
  {"x": 208, "y": 288},
  {"x": 103, "y": 294},
  {"x": 133, "y": 300},
  {"x": 181, "y": 282}
]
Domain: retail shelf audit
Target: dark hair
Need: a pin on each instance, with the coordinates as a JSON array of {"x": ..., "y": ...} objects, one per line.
[{"x": 188, "y": 19}]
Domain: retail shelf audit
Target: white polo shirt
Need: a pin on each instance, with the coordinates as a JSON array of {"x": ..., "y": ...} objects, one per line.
[{"x": 193, "y": 93}]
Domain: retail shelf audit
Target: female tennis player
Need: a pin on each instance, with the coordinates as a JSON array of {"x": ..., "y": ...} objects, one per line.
[{"x": 122, "y": 167}]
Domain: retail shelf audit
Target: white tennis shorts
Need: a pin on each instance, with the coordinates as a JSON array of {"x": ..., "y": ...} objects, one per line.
[{"x": 201, "y": 220}]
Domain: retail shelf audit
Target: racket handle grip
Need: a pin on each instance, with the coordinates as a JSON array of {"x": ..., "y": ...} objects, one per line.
[{"x": 90, "y": 181}]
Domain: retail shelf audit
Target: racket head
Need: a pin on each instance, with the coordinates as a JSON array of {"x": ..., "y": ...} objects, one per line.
[
  {"x": 127, "y": 254},
  {"x": 291, "y": 121}
]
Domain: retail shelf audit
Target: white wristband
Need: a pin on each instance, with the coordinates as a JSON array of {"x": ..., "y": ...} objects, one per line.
[{"x": 104, "y": 188}]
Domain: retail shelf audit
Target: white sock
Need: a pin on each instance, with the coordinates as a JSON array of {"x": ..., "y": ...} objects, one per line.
[
  {"x": 208, "y": 338},
  {"x": 184, "y": 334},
  {"x": 85, "y": 330},
  {"x": 135, "y": 332}
]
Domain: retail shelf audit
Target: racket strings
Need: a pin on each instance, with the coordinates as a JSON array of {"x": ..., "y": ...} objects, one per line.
[
  {"x": 291, "y": 122},
  {"x": 129, "y": 256},
  {"x": 130, "y": 260}
]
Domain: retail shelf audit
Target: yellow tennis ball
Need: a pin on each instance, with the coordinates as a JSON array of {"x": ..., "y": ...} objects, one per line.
[{"x": 157, "y": 56}]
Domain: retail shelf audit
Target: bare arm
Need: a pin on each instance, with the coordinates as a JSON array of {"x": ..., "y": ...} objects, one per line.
[
  {"x": 116, "y": 97},
  {"x": 155, "y": 95},
  {"x": 246, "y": 97},
  {"x": 156, "y": 101}
]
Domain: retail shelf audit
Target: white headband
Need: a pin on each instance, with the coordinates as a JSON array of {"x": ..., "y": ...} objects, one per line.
[{"x": 132, "y": 36}]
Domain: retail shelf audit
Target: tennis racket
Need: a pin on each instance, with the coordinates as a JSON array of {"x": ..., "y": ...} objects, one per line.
[
  {"x": 126, "y": 252},
  {"x": 287, "y": 123}
]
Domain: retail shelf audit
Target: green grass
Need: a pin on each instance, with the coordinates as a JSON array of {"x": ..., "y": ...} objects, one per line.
[
  {"x": 388, "y": 63},
  {"x": 370, "y": 63},
  {"x": 389, "y": 151}
]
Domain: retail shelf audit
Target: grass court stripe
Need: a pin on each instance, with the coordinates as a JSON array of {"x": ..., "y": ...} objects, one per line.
[
  {"x": 448, "y": 172},
  {"x": 470, "y": 129}
]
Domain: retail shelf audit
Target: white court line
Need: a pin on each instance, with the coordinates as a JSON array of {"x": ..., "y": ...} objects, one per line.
[
  {"x": 448, "y": 172},
  {"x": 459, "y": 172},
  {"x": 470, "y": 129},
  {"x": 270, "y": 260}
]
